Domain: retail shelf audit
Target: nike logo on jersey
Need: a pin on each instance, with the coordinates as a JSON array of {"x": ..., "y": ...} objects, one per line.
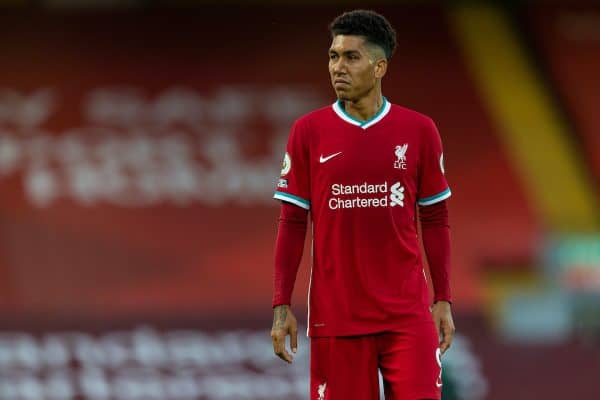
[{"x": 325, "y": 159}]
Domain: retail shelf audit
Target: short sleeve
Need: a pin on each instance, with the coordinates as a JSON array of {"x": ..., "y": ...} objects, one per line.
[
  {"x": 433, "y": 186},
  {"x": 294, "y": 183}
]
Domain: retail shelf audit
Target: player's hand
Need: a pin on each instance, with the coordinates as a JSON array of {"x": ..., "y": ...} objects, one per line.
[
  {"x": 284, "y": 323},
  {"x": 444, "y": 325}
]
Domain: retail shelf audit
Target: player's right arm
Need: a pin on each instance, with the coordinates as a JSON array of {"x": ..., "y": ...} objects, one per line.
[
  {"x": 288, "y": 254},
  {"x": 293, "y": 189}
]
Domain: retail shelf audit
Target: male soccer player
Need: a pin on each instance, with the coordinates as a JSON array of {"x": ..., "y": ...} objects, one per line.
[{"x": 361, "y": 166}]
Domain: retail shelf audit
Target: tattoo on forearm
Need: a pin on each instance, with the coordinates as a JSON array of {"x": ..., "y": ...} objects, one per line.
[{"x": 280, "y": 317}]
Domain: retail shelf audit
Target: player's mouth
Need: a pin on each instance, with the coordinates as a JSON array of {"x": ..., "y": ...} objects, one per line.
[{"x": 340, "y": 83}]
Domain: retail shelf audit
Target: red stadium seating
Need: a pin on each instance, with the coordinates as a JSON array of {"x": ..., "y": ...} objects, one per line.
[{"x": 568, "y": 37}]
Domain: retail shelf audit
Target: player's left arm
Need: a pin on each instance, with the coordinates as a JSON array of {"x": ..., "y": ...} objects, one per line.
[
  {"x": 436, "y": 242},
  {"x": 433, "y": 215}
]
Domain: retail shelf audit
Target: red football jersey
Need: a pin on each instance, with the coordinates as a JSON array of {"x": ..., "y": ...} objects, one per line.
[{"x": 362, "y": 181}]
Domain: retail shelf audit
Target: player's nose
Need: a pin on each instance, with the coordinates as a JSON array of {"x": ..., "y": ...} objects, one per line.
[{"x": 338, "y": 67}]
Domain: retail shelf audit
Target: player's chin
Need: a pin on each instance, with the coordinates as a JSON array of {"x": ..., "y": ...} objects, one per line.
[{"x": 343, "y": 95}]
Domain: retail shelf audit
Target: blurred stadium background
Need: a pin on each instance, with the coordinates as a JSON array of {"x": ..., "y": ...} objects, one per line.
[{"x": 139, "y": 146}]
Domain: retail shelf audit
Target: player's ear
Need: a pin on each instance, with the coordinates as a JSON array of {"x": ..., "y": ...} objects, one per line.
[{"x": 380, "y": 68}]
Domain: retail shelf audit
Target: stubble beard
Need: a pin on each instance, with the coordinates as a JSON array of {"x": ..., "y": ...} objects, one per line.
[
  {"x": 343, "y": 97},
  {"x": 354, "y": 95}
]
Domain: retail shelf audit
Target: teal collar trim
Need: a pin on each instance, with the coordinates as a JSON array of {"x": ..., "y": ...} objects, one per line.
[{"x": 339, "y": 109}]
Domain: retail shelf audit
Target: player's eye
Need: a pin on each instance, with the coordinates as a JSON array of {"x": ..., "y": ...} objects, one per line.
[{"x": 333, "y": 56}]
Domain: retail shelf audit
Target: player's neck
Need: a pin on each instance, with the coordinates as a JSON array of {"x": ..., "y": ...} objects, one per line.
[{"x": 366, "y": 107}]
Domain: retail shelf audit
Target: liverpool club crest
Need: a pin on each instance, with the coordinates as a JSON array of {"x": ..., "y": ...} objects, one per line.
[{"x": 400, "y": 152}]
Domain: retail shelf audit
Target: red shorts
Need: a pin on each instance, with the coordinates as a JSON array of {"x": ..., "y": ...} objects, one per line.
[{"x": 346, "y": 368}]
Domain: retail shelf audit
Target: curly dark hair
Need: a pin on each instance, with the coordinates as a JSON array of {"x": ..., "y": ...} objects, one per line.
[{"x": 373, "y": 26}]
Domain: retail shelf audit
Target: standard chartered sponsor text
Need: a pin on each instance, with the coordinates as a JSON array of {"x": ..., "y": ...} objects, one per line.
[{"x": 365, "y": 195}]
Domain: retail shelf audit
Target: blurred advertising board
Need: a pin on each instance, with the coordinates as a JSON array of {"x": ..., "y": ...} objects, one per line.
[{"x": 145, "y": 363}]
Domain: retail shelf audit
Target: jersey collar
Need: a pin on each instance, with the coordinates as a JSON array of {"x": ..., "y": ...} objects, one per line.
[{"x": 338, "y": 108}]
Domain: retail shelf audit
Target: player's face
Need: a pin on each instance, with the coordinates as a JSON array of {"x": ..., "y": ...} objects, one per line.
[{"x": 352, "y": 69}]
